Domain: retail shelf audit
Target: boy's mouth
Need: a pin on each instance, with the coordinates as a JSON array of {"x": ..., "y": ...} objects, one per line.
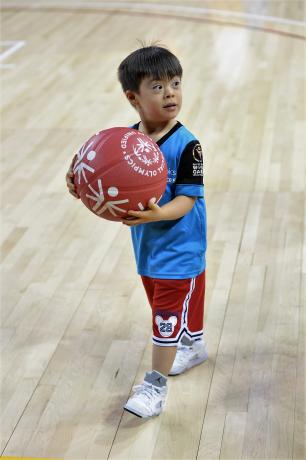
[{"x": 172, "y": 104}]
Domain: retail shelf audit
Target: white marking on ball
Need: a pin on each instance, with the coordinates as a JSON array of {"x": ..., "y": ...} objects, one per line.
[
  {"x": 91, "y": 155},
  {"x": 141, "y": 206},
  {"x": 113, "y": 191}
]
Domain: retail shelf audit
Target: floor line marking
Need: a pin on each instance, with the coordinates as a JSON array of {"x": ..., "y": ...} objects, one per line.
[
  {"x": 163, "y": 8},
  {"x": 13, "y": 47}
]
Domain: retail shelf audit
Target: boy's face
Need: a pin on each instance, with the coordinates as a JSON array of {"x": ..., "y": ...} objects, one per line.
[{"x": 157, "y": 100}]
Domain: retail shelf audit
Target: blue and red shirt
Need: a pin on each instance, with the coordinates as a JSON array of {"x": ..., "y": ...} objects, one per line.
[{"x": 175, "y": 249}]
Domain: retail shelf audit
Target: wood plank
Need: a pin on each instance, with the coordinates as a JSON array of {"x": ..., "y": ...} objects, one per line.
[{"x": 232, "y": 440}]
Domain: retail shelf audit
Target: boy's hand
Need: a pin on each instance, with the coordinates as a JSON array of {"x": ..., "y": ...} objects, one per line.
[
  {"x": 69, "y": 181},
  {"x": 153, "y": 214}
]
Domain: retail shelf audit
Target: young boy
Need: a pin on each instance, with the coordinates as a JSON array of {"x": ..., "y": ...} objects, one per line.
[{"x": 169, "y": 238}]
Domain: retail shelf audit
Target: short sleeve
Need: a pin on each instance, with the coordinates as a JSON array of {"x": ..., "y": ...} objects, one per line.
[{"x": 189, "y": 180}]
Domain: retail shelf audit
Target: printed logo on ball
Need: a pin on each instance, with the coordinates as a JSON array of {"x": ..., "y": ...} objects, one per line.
[
  {"x": 142, "y": 155},
  {"x": 80, "y": 167}
]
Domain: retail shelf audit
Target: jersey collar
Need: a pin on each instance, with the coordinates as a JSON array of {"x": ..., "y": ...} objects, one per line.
[{"x": 167, "y": 135}]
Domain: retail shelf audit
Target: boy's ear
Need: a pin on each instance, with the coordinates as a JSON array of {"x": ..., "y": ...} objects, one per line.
[{"x": 131, "y": 97}]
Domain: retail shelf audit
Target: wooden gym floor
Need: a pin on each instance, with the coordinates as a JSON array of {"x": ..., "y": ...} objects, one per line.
[{"x": 76, "y": 327}]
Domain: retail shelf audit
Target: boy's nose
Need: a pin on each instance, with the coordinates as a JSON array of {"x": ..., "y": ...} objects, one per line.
[{"x": 169, "y": 92}]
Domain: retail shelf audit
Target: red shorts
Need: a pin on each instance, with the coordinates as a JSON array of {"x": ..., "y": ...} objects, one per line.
[{"x": 177, "y": 308}]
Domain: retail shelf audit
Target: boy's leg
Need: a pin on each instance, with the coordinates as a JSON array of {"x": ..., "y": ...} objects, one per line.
[
  {"x": 162, "y": 358},
  {"x": 191, "y": 350},
  {"x": 177, "y": 308},
  {"x": 150, "y": 396}
]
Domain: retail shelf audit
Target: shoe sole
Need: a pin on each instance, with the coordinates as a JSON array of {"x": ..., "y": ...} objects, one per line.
[
  {"x": 194, "y": 363},
  {"x": 138, "y": 414},
  {"x": 133, "y": 412}
]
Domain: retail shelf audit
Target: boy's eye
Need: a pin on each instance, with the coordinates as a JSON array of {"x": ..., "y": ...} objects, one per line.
[
  {"x": 157, "y": 87},
  {"x": 176, "y": 83}
]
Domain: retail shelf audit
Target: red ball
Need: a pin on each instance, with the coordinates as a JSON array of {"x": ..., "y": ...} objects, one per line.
[{"x": 117, "y": 170}]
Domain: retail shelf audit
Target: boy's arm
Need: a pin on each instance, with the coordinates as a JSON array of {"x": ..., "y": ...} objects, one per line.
[{"x": 172, "y": 210}]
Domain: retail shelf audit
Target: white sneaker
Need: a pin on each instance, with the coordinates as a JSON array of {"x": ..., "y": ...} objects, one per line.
[
  {"x": 188, "y": 356},
  {"x": 148, "y": 399}
]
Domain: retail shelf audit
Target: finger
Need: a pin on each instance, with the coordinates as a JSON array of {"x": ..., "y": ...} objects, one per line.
[
  {"x": 152, "y": 204},
  {"x": 71, "y": 186},
  {"x": 152, "y": 207},
  {"x": 131, "y": 223},
  {"x": 69, "y": 175},
  {"x": 72, "y": 189},
  {"x": 135, "y": 213},
  {"x": 129, "y": 219},
  {"x": 74, "y": 194}
]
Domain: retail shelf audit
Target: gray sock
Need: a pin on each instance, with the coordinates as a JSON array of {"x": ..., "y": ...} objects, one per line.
[
  {"x": 156, "y": 378},
  {"x": 186, "y": 341}
]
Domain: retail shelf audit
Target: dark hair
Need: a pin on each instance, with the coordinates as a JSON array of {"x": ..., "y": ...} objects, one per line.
[{"x": 150, "y": 61}]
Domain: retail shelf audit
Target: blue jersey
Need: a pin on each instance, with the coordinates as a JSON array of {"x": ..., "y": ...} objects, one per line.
[{"x": 175, "y": 249}]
